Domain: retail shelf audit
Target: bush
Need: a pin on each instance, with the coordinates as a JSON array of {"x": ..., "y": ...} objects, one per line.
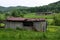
[
  {"x": 57, "y": 20},
  {"x": 2, "y": 24},
  {"x": 50, "y": 21}
]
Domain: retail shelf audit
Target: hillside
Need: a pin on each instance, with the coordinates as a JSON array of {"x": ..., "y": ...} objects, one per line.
[
  {"x": 53, "y": 7},
  {"x": 12, "y": 8}
]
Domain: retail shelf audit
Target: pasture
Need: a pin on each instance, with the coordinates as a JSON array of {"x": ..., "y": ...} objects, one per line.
[
  {"x": 33, "y": 15},
  {"x": 52, "y": 33}
]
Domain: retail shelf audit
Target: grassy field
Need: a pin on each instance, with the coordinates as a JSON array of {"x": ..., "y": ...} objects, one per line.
[
  {"x": 6, "y": 34},
  {"x": 33, "y": 15},
  {"x": 52, "y": 33}
]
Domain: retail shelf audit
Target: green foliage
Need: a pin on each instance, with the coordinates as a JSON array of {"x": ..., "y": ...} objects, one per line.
[
  {"x": 52, "y": 33},
  {"x": 15, "y": 13},
  {"x": 57, "y": 19},
  {"x": 18, "y": 13},
  {"x": 2, "y": 17},
  {"x": 33, "y": 15},
  {"x": 53, "y": 7},
  {"x": 2, "y": 24},
  {"x": 20, "y": 35},
  {"x": 50, "y": 21}
]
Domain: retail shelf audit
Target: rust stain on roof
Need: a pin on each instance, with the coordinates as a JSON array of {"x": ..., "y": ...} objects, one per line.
[{"x": 24, "y": 19}]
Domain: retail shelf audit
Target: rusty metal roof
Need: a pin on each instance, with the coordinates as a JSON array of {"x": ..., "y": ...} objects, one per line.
[{"x": 24, "y": 19}]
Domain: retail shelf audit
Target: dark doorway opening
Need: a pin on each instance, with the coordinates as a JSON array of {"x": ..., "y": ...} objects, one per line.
[{"x": 27, "y": 23}]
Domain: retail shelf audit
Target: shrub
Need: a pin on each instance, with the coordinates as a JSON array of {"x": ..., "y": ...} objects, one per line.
[
  {"x": 50, "y": 21},
  {"x": 2, "y": 24},
  {"x": 57, "y": 20}
]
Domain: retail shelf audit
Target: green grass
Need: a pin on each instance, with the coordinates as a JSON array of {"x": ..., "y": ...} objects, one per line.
[
  {"x": 50, "y": 21},
  {"x": 52, "y": 33},
  {"x": 33, "y": 15},
  {"x": 6, "y": 34}
]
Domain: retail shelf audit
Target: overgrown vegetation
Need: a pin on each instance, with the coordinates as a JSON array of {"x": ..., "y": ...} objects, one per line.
[
  {"x": 9, "y": 34},
  {"x": 57, "y": 19},
  {"x": 52, "y": 33},
  {"x": 2, "y": 17}
]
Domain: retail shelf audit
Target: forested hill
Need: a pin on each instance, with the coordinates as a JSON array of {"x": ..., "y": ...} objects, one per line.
[
  {"x": 53, "y": 7},
  {"x": 12, "y": 8}
]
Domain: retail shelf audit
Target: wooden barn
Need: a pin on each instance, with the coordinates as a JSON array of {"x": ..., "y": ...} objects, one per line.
[
  {"x": 44, "y": 13},
  {"x": 26, "y": 23}
]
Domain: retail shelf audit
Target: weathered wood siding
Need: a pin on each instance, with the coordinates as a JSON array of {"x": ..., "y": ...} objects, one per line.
[
  {"x": 14, "y": 25},
  {"x": 44, "y": 26},
  {"x": 37, "y": 26},
  {"x": 19, "y": 24},
  {"x": 40, "y": 26}
]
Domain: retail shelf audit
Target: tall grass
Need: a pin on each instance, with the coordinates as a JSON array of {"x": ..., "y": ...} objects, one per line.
[
  {"x": 52, "y": 33},
  {"x": 33, "y": 15},
  {"x": 6, "y": 34}
]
